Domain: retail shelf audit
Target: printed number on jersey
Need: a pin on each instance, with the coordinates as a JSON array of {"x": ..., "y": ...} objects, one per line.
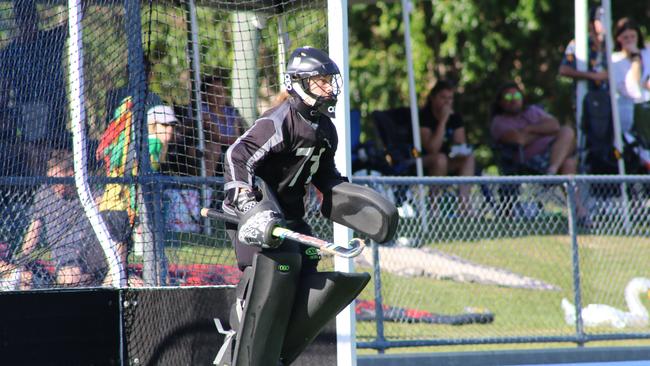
[{"x": 315, "y": 161}]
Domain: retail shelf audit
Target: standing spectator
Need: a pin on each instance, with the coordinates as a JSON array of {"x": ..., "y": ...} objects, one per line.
[
  {"x": 119, "y": 159},
  {"x": 222, "y": 122},
  {"x": 161, "y": 122},
  {"x": 74, "y": 248},
  {"x": 547, "y": 147},
  {"x": 596, "y": 73},
  {"x": 631, "y": 68},
  {"x": 444, "y": 139},
  {"x": 32, "y": 88},
  {"x": 117, "y": 150},
  {"x": 114, "y": 97}
]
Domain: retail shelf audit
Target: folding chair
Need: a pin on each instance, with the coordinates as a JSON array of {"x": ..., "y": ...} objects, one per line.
[
  {"x": 598, "y": 127},
  {"x": 395, "y": 132}
]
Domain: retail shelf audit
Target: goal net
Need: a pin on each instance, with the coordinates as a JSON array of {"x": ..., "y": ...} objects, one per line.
[{"x": 115, "y": 119}]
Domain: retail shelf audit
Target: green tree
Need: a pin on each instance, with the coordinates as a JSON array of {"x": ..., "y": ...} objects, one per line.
[{"x": 476, "y": 44}]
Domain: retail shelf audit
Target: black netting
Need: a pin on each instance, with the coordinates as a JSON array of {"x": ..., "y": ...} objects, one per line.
[{"x": 115, "y": 119}]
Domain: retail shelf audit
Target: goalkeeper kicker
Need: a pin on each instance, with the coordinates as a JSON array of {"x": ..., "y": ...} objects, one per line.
[{"x": 283, "y": 302}]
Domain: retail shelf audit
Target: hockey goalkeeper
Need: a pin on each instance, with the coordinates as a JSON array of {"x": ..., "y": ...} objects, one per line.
[{"x": 283, "y": 302}]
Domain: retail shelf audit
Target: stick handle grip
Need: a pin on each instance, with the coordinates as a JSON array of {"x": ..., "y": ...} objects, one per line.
[{"x": 355, "y": 246}]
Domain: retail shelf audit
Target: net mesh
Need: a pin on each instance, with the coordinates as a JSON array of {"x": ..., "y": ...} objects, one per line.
[{"x": 163, "y": 88}]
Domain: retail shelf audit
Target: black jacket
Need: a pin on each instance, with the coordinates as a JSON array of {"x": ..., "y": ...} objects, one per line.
[{"x": 288, "y": 152}]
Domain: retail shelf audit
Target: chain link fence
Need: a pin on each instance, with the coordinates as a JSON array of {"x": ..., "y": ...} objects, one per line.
[
  {"x": 493, "y": 268},
  {"x": 510, "y": 265}
]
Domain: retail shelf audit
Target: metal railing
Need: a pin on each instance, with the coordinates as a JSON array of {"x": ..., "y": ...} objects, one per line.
[
  {"x": 492, "y": 268},
  {"x": 497, "y": 266}
]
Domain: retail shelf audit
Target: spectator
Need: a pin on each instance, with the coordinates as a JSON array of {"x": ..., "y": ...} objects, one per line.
[
  {"x": 547, "y": 147},
  {"x": 596, "y": 73},
  {"x": 160, "y": 125},
  {"x": 631, "y": 68},
  {"x": 161, "y": 121},
  {"x": 222, "y": 123},
  {"x": 443, "y": 137},
  {"x": 17, "y": 273},
  {"x": 32, "y": 88},
  {"x": 119, "y": 104},
  {"x": 57, "y": 212},
  {"x": 114, "y": 97},
  {"x": 12, "y": 277},
  {"x": 119, "y": 160}
]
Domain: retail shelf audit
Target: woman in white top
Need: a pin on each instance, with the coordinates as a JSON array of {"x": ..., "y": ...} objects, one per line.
[{"x": 631, "y": 68}]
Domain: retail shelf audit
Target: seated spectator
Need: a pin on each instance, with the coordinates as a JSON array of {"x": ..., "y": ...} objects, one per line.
[
  {"x": 32, "y": 88},
  {"x": 12, "y": 276},
  {"x": 18, "y": 273},
  {"x": 444, "y": 140},
  {"x": 631, "y": 68},
  {"x": 222, "y": 123},
  {"x": 548, "y": 148},
  {"x": 543, "y": 146},
  {"x": 77, "y": 255}
]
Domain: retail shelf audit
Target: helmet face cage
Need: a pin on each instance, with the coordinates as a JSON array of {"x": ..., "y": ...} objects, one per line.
[
  {"x": 309, "y": 85},
  {"x": 325, "y": 100}
]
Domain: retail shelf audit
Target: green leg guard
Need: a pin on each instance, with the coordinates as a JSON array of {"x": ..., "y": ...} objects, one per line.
[{"x": 319, "y": 298}]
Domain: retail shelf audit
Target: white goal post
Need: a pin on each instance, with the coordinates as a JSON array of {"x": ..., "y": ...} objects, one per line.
[{"x": 337, "y": 18}]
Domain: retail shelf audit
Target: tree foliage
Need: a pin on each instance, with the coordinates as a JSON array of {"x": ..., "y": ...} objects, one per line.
[{"x": 476, "y": 44}]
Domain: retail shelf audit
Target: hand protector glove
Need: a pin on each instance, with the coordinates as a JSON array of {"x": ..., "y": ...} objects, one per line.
[{"x": 257, "y": 221}]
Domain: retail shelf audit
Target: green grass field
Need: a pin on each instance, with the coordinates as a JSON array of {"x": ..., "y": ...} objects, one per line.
[{"x": 607, "y": 264}]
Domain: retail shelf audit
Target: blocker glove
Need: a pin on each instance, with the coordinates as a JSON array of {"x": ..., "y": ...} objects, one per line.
[{"x": 257, "y": 219}]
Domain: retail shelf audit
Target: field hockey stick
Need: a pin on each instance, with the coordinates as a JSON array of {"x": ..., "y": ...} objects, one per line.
[{"x": 353, "y": 248}]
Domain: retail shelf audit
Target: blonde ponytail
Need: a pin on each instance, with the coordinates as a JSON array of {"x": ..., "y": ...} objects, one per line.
[{"x": 281, "y": 97}]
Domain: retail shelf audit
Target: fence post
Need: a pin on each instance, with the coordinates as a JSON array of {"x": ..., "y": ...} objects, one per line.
[
  {"x": 570, "y": 188},
  {"x": 148, "y": 194},
  {"x": 379, "y": 309}
]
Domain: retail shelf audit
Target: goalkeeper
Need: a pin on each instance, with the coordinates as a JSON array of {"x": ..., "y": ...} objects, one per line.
[{"x": 290, "y": 146}]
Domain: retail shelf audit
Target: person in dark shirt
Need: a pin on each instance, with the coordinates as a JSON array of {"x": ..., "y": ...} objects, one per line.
[
  {"x": 444, "y": 140},
  {"x": 222, "y": 122}
]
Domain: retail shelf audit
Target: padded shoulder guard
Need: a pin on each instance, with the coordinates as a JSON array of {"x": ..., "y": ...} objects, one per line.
[{"x": 362, "y": 209}]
